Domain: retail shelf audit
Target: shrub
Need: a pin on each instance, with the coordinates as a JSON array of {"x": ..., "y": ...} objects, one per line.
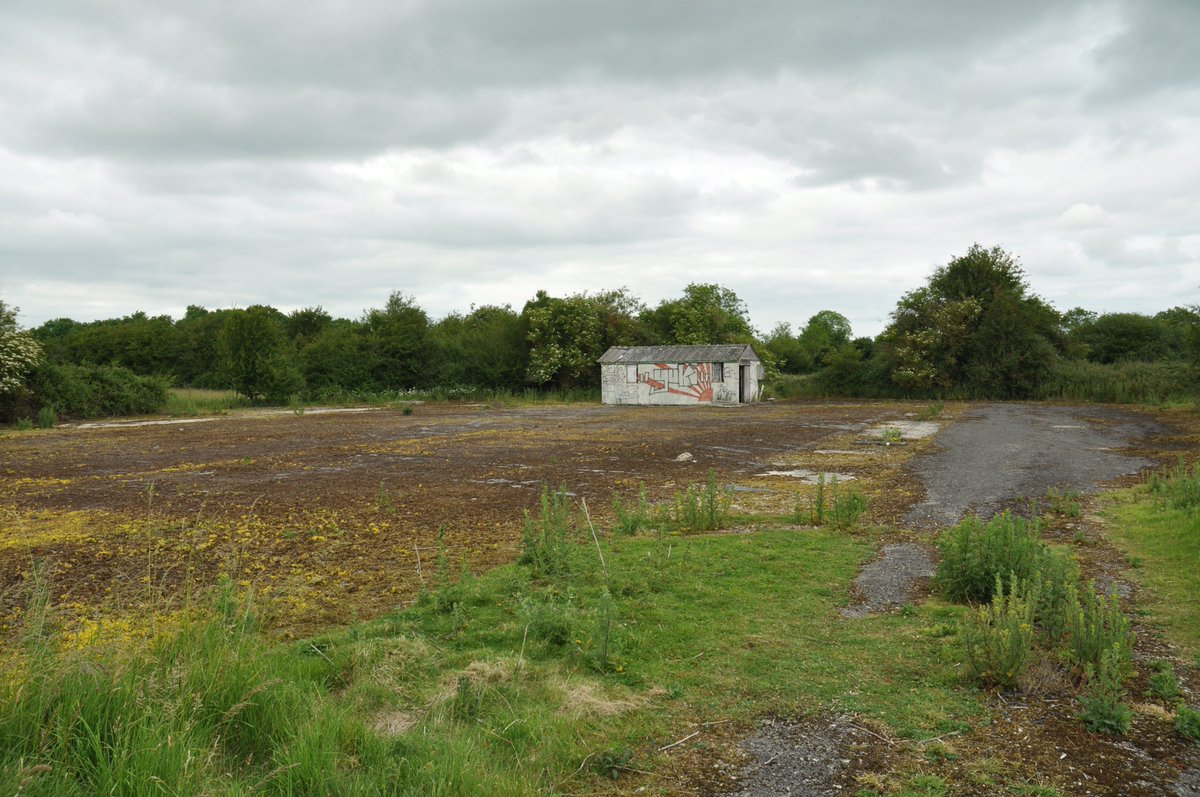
[
  {"x": 1103, "y": 711},
  {"x": 47, "y": 418},
  {"x": 1187, "y": 722},
  {"x": 1058, "y": 578},
  {"x": 975, "y": 556},
  {"x": 1123, "y": 383},
  {"x": 89, "y": 391},
  {"x": 1162, "y": 682},
  {"x": 703, "y": 508},
  {"x": 1096, "y": 628},
  {"x": 546, "y": 539},
  {"x": 999, "y": 636},
  {"x": 1177, "y": 487}
]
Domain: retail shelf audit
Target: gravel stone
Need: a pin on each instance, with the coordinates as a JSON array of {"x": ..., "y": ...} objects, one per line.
[
  {"x": 801, "y": 759},
  {"x": 890, "y": 581}
]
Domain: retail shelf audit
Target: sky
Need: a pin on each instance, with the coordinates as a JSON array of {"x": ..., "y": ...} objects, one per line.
[{"x": 807, "y": 155}]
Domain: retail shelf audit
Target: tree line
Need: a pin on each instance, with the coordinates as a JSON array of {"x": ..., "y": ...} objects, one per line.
[{"x": 975, "y": 329}]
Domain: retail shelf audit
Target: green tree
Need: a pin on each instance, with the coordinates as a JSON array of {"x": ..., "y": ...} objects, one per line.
[
  {"x": 19, "y": 352},
  {"x": 197, "y": 347},
  {"x": 1120, "y": 337},
  {"x": 705, "y": 314},
  {"x": 825, "y": 333},
  {"x": 398, "y": 341},
  {"x": 485, "y": 348},
  {"x": 974, "y": 329},
  {"x": 785, "y": 347},
  {"x": 257, "y": 359},
  {"x": 305, "y": 324},
  {"x": 336, "y": 358},
  {"x": 567, "y": 335}
]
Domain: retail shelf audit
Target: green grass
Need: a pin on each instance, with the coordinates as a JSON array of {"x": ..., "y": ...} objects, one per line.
[
  {"x": 500, "y": 684},
  {"x": 1165, "y": 539},
  {"x": 189, "y": 401},
  {"x": 503, "y": 397}
]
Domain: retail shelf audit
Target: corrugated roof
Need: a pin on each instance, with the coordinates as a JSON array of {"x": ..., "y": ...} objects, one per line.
[{"x": 678, "y": 354}]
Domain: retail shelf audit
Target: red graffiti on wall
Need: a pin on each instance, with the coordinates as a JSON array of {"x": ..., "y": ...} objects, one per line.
[{"x": 693, "y": 380}]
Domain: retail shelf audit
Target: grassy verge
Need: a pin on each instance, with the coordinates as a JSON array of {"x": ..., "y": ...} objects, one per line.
[
  {"x": 531, "y": 679},
  {"x": 1158, "y": 527},
  {"x": 189, "y": 401}
]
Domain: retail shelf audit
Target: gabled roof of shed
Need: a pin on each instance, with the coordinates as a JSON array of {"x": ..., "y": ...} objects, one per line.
[{"x": 678, "y": 354}]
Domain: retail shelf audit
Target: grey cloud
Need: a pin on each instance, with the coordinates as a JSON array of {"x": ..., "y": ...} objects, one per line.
[{"x": 1154, "y": 53}]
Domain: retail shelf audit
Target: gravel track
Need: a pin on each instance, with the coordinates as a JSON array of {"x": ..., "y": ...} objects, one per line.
[{"x": 999, "y": 456}]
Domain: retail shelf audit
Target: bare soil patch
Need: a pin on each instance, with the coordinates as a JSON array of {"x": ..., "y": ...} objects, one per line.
[{"x": 337, "y": 515}]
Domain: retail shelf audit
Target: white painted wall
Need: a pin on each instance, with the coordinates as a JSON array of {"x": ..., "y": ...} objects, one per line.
[{"x": 678, "y": 383}]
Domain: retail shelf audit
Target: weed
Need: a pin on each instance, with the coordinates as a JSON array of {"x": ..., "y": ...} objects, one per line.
[
  {"x": 703, "y": 508},
  {"x": 383, "y": 500},
  {"x": 848, "y": 507},
  {"x": 408, "y": 409},
  {"x": 999, "y": 636},
  {"x": 1187, "y": 722},
  {"x": 546, "y": 539},
  {"x": 892, "y": 435},
  {"x": 296, "y": 404},
  {"x": 24, "y": 424},
  {"x": 931, "y": 411},
  {"x": 831, "y": 506},
  {"x": 1103, "y": 711},
  {"x": 1177, "y": 487},
  {"x": 1034, "y": 790},
  {"x": 1064, "y": 502},
  {"x": 632, "y": 521},
  {"x": 1058, "y": 577},
  {"x": 1097, "y": 630},
  {"x": 1163, "y": 683},
  {"x": 612, "y": 763},
  {"x": 600, "y": 656},
  {"x": 47, "y": 418},
  {"x": 975, "y": 556}
]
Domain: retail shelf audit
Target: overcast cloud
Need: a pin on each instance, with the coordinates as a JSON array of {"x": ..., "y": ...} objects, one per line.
[{"x": 808, "y": 155}]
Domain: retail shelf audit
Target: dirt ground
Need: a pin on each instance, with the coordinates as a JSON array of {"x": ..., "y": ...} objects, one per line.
[{"x": 333, "y": 515}]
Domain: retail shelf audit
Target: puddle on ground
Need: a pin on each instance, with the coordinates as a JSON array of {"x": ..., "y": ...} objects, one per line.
[
  {"x": 810, "y": 476},
  {"x": 121, "y": 424},
  {"x": 909, "y": 430}
]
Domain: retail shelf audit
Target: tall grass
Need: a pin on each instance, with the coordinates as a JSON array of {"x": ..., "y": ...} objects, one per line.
[
  {"x": 702, "y": 508},
  {"x": 832, "y": 506},
  {"x": 189, "y": 401},
  {"x": 212, "y": 709},
  {"x": 500, "y": 396},
  {"x": 1121, "y": 383}
]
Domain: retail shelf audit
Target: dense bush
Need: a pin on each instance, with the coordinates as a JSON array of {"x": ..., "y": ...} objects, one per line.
[
  {"x": 86, "y": 391},
  {"x": 976, "y": 556}
]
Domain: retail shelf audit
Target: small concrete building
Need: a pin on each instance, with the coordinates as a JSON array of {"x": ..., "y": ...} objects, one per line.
[{"x": 726, "y": 374}]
